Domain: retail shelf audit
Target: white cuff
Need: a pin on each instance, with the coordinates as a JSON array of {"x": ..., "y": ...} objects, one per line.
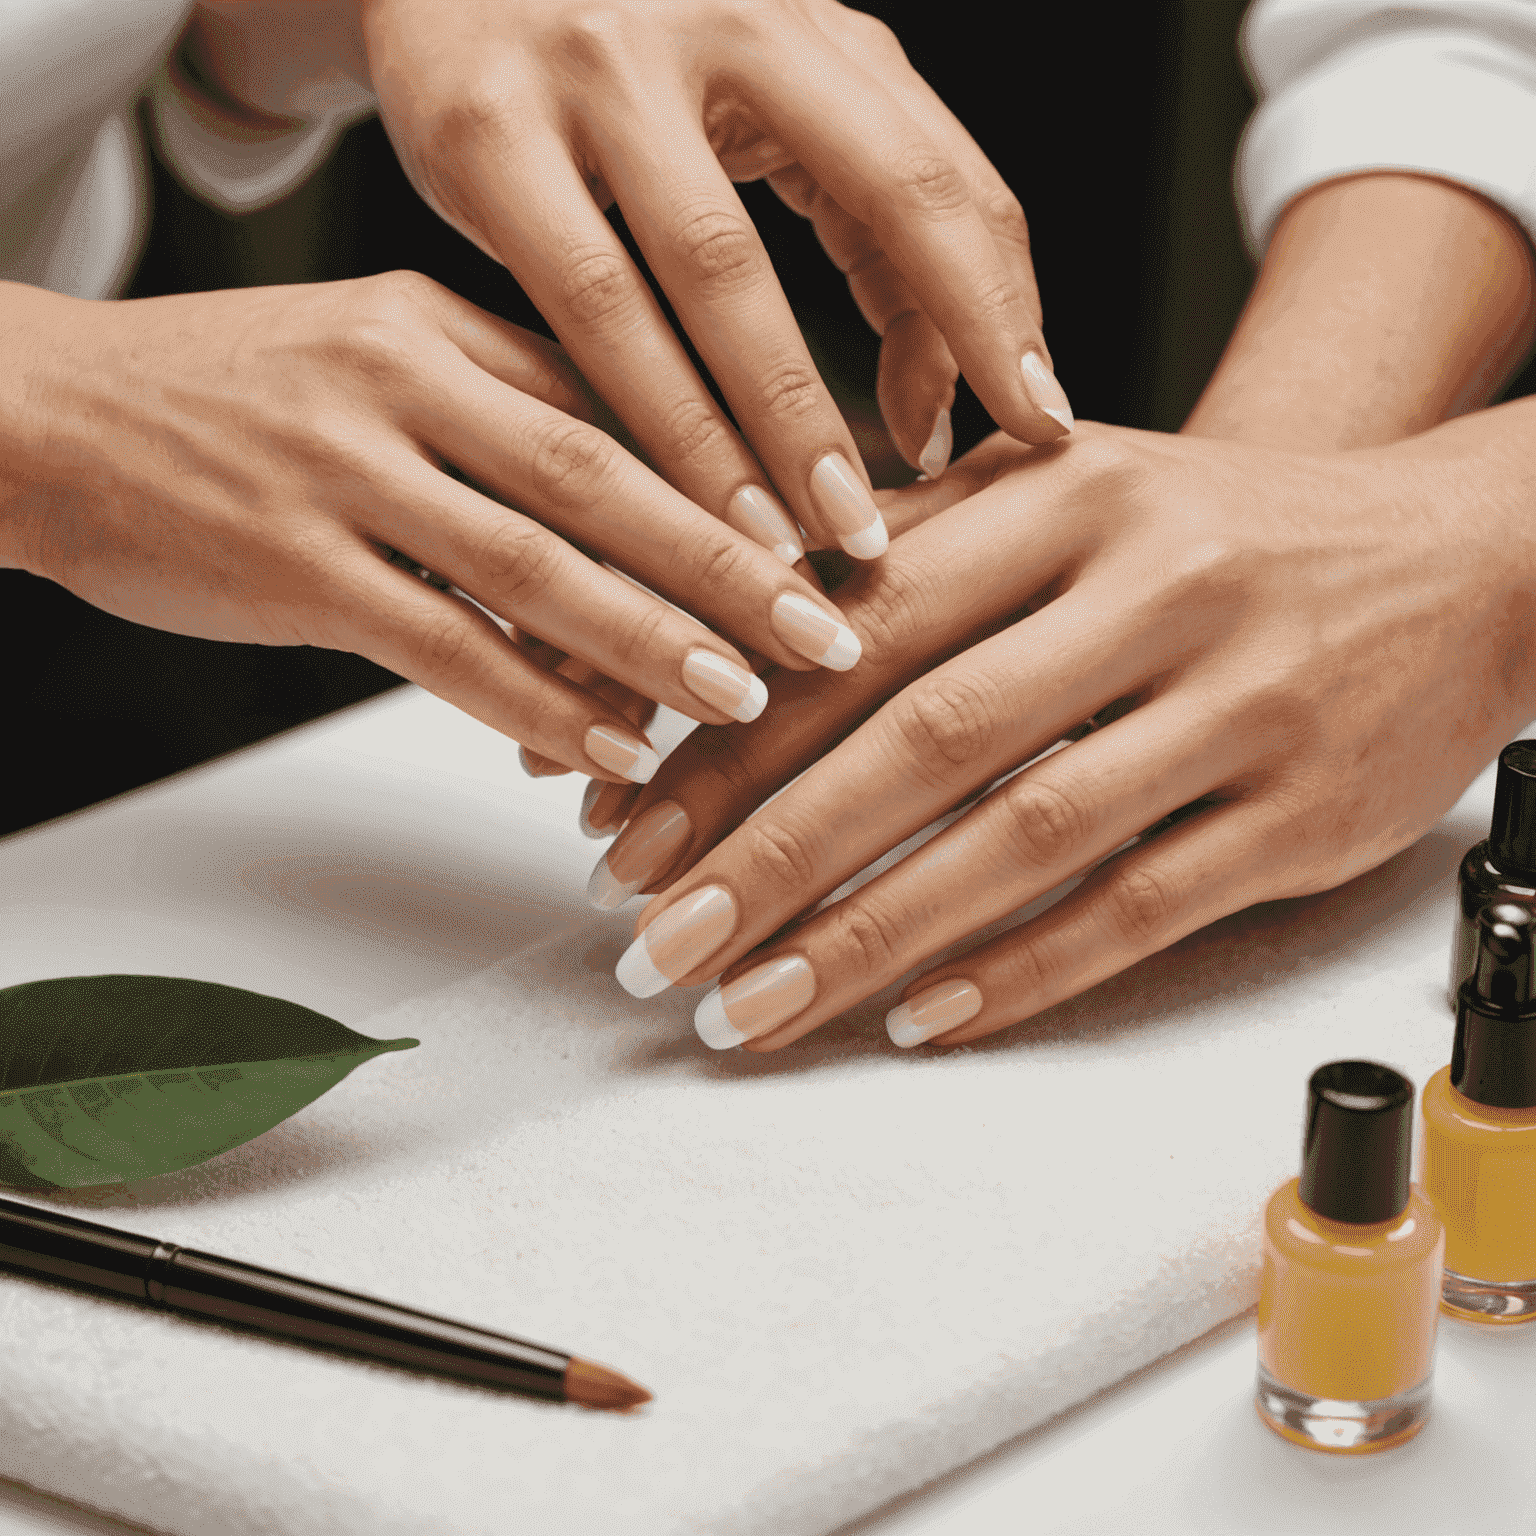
[
  {"x": 236, "y": 168},
  {"x": 1427, "y": 91}
]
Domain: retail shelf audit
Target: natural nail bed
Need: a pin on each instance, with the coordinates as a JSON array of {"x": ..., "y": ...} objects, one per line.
[
  {"x": 621, "y": 753},
  {"x": 677, "y": 940},
  {"x": 767, "y": 523},
  {"x": 754, "y": 1003},
  {"x": 842, "y": 499},
  {"x": 724, "y": 686},
  {"x": 932, "y": 1011},
  {"x": 646, "y": 848},
  {"x": 814, "y": 633}
]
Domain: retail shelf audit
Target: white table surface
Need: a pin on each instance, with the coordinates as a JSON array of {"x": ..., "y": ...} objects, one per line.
[{"x": 397, "y": 847}]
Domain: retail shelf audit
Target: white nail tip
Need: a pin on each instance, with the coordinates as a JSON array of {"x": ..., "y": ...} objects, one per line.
[
  {"x": 844, "y": 652},
  {"x": 790, "y": 554},
  {"x": 645, "y": 766},
  {"x": 1065, "y": 418},
  {"x": 637, "y": 975},
  {"x": 522, "y": 758},
  {"x": 604, "y": 892},
  {"x": 934, "y": 458},
  {"x": 868, "y": 543},
  {"x": 588, "y": 800},
  {"x": 755, "y": 702},
  {"x": 715, "y": 1030},
  {"x": 901, "y": 1028}
]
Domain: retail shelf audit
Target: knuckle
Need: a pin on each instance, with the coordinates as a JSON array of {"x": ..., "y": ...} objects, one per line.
[
  {"x": 596, "y": 286},
  {"x": 781, "y": 856},
  {"x": 724, "y": 566},
  {"x": 876, "y": 940},
  {"x": 1004, "y": 214},
  {"x": 926, "y": 182},
  {"x": 1031, "y": 969},
  {"x": 570, "y": 460},
  {"x": 947, "y": 722},
  {"x": 518, "y": 562},
  {"x": 1138, "y": 904},
  {"x": 637, "y": 639},
  {"x": 1045, "y": 825},
  {"x": 696, "y": 430},
  {"x": 597, "y": 39},
  {"x": 791, "y": 391},
  {"x": 442, "y": 648},
  {"x": 874, "y": 35},
  {"x": 894, "y": 607},
  {"x": 718, "y": 248}
]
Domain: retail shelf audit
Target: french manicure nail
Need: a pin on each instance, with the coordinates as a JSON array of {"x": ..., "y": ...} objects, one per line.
[
  {"x": 1045, "y": 391},
  {"x": 677, "y": 940},
  {"x": 589, "y": 795},
  {"x": 930, "y": 1013},
  {"x": 767, "y": 522},
  {"x": 813, "y": 632},
  {"x": 723, "y": 685},
  {"x": 619, "y": 752},
  {"x": 646, "y": 848},
  {"x": 605, "y": 807},
  {"x": 754, "y": 1003},
  {"x": 934, "y": 458},
  {"x": 840, "y": 497}
]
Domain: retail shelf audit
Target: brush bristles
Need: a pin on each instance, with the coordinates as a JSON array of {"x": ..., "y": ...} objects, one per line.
[{"x": 596, "y": 1386}]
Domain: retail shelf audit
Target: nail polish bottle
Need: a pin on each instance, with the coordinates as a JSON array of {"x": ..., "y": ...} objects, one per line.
[
  {"x": 1350, "y": 1292},
  {"x": 1479, "y": 1137},
  {"x": 1504, "y": 864}
]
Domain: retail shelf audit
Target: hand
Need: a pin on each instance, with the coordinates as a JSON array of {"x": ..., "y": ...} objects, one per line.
[
  {"x": 237, "y": 466},
  {"x": 520, "y": 120},
  {"x": 1311, "y": 658}
]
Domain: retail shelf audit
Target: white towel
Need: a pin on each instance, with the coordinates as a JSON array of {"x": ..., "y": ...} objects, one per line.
[{"x": 842, "y": 1269}]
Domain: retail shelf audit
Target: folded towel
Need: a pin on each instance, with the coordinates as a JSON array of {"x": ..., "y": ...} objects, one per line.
[{"x": 842, "y": 1269}]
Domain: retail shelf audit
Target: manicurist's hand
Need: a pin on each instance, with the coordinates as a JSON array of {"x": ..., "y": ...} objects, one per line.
[
  {"x": 248, "y": 465},
  {"x": 521, "y": 120},
  {"x": 1312, "y": 656}
]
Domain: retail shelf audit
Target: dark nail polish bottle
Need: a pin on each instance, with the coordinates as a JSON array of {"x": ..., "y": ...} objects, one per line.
[
  {"x": 1479, "y": 1146},
  {"x": 1504, "y": 866}
]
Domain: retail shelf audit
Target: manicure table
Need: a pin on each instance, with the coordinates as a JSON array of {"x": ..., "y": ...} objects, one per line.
[{"x": 396, "y": 848}]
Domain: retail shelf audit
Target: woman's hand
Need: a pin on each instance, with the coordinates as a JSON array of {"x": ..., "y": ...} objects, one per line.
[
  {"x": 241, "y": 465},
  {"x": 1309, "y": 657},
  {"x": 521, "y": 120}
]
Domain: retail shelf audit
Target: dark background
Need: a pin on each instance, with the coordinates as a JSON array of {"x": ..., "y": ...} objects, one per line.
[{"x": 1117, "y": 136}]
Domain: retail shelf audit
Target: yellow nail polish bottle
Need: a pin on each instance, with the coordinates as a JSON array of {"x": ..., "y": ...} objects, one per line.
[
  {"x": 1349, "y": 1296},
  {"x": 1479, "y": 1146}
]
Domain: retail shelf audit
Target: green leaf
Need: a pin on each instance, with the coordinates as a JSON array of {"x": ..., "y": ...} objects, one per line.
[{"x": 108, "y": 1078}]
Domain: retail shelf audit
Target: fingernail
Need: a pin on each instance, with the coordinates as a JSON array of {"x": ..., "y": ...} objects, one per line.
[
  {"x": 682, "y": 937},
  {"x": 934, "y": 458},
  {"x": 767, "y": 522},
  {"x": 619, "y": 752},
  {"x": 840, "y": 497},
  {"x": 930, "y": 1013},
  {"x": 1044, "y": 391},
  {"x": 537, "y": 767},
  {"x": 753, "y": 1004},
  {"x": 605, "y": 808},
  {"x": 723, "y": 685},
  {"x": 646, "y": 848},
  {"x": 813, "y": 632}
]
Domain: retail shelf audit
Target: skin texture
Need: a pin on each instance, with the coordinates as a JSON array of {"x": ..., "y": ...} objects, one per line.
[
  {"x": 1308, "y": 654},
  {"x": 234, "y": 465},
  {"x": 521, "y": 120}
]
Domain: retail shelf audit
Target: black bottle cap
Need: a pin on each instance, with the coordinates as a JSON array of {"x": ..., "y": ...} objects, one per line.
[
  {"x": 1512, "y": 837},
  {"x": 1354, "y": 1156},
  {"x": 1494, "y": 1059}
]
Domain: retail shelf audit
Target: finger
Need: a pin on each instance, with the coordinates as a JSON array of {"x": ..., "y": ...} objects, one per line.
[
  {"x": 916, "y": 381},
  {"x": 573, "y": 479},
  {"x": 1064, "y": 814},
  {"x": 517, "y": 188},
  {"x": 635, "y": 708},
  {"x": 705, "y": 252},
  {"x": 906, "y": 187},
  {"x": 1140, "y": 902},
  {"x": 449, "y": 647},
  {"x": 535, "y": 580},
  {"x": 605, "y": 808}
]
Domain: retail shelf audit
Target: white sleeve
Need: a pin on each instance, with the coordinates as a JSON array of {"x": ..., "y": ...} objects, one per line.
[
  {"x": 237, "y": 167},
  {"x": 1447, "y": 89}
]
